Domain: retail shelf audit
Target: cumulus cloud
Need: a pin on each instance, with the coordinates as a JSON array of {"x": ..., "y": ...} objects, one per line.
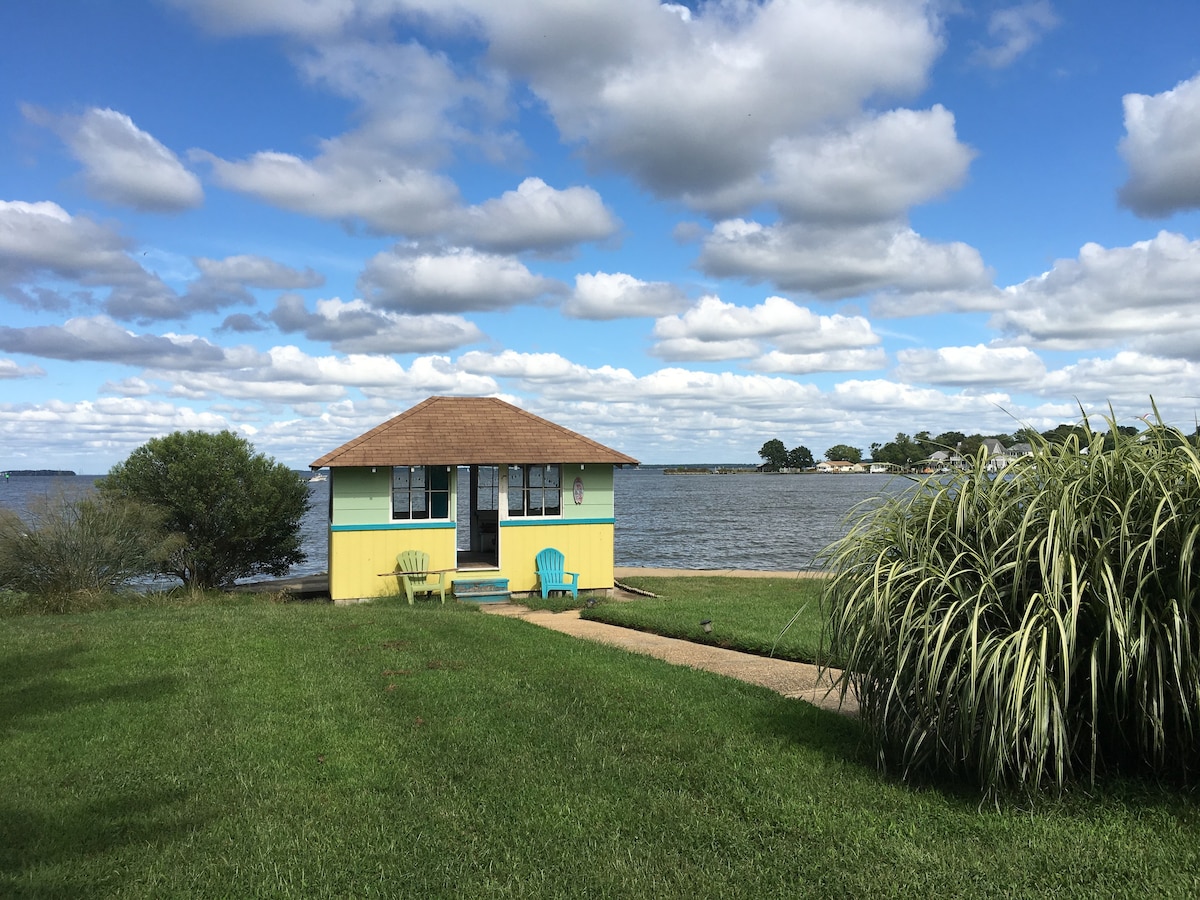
[
  {"x": 714, "y": 329},
  {"x": 10, "y": 369},
  {"x": 123, "y": 164},
  {"x": 455, "y": 280},
  {"x": 1107, "y": 296},
  {"x": 1014, "y": 31},
  {"x": 616, "y": 295},
  {"x": 839, "y": 262},
  {"x": 1128, "y": 376},
  {"x": 1162, "y": 149},
  {"x": 42, "y": 239},
  {"x": 308, "y": 17},
  {"x": 259, "y": 272},
  {"x": 537, "y": 217},
  {"x": 99, "y": 339},
  {"x": 389, "y": 196},
  {"x": 979, "y": 365},
  {"x": 872, "y": 168},
  {"x": 355, "y": 327},
  {"x": 688, "y": 104},
  {"x": 852, "y": 360}
]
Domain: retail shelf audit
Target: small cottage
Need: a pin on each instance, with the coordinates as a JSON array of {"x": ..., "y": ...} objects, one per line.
[{"x": 481, "y": 486}]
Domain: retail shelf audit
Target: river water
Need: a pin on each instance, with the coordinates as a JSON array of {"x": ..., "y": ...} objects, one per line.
[{"x": 748, "y": 521}]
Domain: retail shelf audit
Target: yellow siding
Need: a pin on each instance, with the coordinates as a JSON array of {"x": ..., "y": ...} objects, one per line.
[
  {"x": 357, "y": 557},
  {"x": 588, "y": 549}
]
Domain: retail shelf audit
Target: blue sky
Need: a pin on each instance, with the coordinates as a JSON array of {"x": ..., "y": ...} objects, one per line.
[{"x": 680, "y": 229}]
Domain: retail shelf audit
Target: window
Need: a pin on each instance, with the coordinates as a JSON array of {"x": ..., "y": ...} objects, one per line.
[
  {"x": 533, "y": 490},
  {"x": 420, "y": 492}
]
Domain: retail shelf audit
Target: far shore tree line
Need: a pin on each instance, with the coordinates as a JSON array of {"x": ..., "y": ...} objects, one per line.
[{"x": 905, "y": 451}]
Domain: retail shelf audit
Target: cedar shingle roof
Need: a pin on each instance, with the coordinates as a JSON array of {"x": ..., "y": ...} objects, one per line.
[{"x": 459, "y": 431}]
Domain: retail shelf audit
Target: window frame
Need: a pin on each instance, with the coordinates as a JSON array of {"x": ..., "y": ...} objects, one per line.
[
  {"x": 528, "y": 488},
  {"x": 421, "y": 501}
]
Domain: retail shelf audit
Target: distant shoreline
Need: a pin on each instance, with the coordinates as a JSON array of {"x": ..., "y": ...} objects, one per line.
[{"x": 37, "y": 472}]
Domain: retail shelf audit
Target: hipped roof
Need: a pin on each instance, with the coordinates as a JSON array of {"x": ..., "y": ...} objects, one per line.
[{"x": 460, "y": 431}]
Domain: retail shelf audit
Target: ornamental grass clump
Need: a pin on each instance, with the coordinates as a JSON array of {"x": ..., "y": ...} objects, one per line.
[{"x": 1034, "y": 628}]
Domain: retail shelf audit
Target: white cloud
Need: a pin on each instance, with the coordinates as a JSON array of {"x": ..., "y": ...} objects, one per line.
[
  {"x": 299, "y": 17},
  {"x": 979, "y": 365},
  {"x": 872, "y": 168},
  {"x": 849, "y": 360},
  {"x": 842, "y": 262},
  {"x": 537, "y": 217},
  {"x": 386, "y": 194},
  {"x": 689, "y": 106},
  {"x": 453, "y": 281},
  {"x": 1015, "y": 30},
  {"x": 42, "y": 239},
  {"x": 1127, "y": 377},
  {"x": 714, "y": 329},
  {"x": 259, "y": 272},
  {"x": 10, "y": 369},
  {"x": 1162, "y": 149},
  {"x": 616, "y": 295},
  {"x": 123, "y": 164},
  {"x": 1122, "y": 295},
  {"x": 100, "y": 339},
  {"x": 355, "y": 327}
]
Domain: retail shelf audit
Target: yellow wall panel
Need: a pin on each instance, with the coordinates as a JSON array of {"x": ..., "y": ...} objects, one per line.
[
  {"x": 588, "y": 549},
  {"x": 357, "y": 557}
]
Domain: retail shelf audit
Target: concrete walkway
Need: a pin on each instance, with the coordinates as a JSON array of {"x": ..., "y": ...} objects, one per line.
[{"x": 791, "y": 679}]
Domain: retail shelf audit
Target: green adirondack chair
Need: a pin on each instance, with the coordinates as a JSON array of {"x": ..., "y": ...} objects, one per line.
[
  {"x": 412, "y": 568},
  {"x": 550, "y": 564}
]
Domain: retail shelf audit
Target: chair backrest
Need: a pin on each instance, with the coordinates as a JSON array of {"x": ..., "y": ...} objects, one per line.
[
  {"x": 412, "y": 561},
  {"x": 551, "y": 562}
]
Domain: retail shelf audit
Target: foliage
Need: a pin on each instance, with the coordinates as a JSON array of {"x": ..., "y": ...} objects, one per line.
[
  {"x": 843, "y": 452},
  {"x": 238, "y": 511},
  {"x": 1032, "y": 629},
  {"x": 69, "y": 551},
  {"x": 774, "y": 454},
  {"x": 901, "y": 451},
  {"x": 800, "y": 458}
]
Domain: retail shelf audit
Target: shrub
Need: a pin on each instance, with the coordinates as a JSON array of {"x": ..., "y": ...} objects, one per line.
[
  {"x": 238, "y": 511},
  {"x": 72, "y": 551},
  {"x": 1034, "y": 628}
]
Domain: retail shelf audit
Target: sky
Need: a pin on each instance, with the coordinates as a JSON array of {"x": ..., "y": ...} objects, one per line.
[{"x": 680, "y": 229}]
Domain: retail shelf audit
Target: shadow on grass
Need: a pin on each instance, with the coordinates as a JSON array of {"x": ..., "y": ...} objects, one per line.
[
  {"x": 32, "y": 684},
  {"x": 38, "y": 846}
]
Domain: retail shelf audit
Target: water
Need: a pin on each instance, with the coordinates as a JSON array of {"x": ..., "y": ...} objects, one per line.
[{"x": 768, "y": 522}]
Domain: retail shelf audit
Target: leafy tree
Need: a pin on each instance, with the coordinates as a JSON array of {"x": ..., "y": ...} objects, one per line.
[
  {"x": 774, "y": 454},
  {"x": 951, "y": 440},
  {"x": 238, "y": 511},
  {"x": 900, "y": 452},
  {"x": 844, "y": 452},
  {"x": 800, "y": 458}
]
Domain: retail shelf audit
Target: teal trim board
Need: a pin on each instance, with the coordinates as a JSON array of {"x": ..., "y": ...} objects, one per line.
[
  {"x": 510, "y": 523},
  {"x": 394, "y": 526}
]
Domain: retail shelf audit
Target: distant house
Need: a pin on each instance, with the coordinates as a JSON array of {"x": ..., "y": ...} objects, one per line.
[
  {"x": 479, "y": 485},
  {"x": 839, "y": 466}
]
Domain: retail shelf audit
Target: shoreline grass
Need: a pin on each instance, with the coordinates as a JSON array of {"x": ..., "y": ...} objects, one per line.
[{"x": 259, "y": 749}]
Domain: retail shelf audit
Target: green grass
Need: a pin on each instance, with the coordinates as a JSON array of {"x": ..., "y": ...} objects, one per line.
[
  {"x": 257, "y": 749},
  {"x": 767, "y": 616}
]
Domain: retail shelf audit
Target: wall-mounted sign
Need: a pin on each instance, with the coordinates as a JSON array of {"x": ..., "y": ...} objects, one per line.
[{"x": 577, "y": 490}]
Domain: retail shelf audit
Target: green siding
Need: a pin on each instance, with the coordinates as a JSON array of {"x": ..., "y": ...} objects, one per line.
[
  {"x": 597, "y": 491},
  {"x": 360, "y": 496}
]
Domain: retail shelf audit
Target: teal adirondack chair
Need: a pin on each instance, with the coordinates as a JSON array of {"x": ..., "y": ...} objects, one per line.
[
  {"x": 412, "y": 568},
  {"x": 550, "y": 563}
]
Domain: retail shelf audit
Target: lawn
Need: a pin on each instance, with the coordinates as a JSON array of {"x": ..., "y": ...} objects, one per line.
[
  {"x": 778, "y": 617},
  {"x": 258, "y": 749}
]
